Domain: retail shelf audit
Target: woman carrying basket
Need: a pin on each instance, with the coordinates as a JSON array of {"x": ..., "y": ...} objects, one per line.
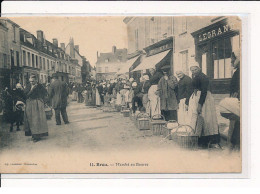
[{"x": 201, "y": 102}]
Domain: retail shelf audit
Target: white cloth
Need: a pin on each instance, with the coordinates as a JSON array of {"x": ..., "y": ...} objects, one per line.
[
  {"x": 182, "y": 113},
  {"x": 154, "y": 101},
  {"x": 208, "y": 113},
  {"x": 98, "y": 101},
  {"x": 231, "y": 105},
  {"x": 74, "y": 96},
  {"x": 118, "y": 99}
]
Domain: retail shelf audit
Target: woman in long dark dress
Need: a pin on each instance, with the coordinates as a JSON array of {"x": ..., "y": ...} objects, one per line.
[
  {"x": 201, "y": 102},
  {"x": 35, "y": 123}
]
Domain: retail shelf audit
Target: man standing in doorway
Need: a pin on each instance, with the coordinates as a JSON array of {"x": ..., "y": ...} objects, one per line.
[{"x": 58, "y": 94}]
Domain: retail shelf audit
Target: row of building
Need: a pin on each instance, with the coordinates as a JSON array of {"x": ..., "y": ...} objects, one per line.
[
  {"x": 179, "y": 42},
  {"x": 23, "y": 54}
]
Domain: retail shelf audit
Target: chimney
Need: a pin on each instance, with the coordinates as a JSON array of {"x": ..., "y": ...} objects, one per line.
[
  {"x": 55, "y": 41},
  {"x": 114, "y": 49},
  {"x": 62, "y": 46},
  {"x": 77, "y": 48},
  {"x": 97, "y": 54},
  {"x": 72, "y": 52},
  {"x": 40, "y": 35}
]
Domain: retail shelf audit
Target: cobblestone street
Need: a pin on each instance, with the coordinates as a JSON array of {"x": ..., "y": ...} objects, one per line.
[{"x": 112, "y": 139}]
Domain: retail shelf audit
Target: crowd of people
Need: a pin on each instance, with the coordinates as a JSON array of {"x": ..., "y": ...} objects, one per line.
[
  {"x": 26, "y": 106},
  {"x": 182, "y": 98}
]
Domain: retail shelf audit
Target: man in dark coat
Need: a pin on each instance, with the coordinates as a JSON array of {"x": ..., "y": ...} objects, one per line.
[
  {"x": 167, "y": 91},
  {"x": 58, "y": 94}
]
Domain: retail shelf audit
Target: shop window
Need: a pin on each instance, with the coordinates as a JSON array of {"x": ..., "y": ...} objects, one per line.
[
  {"x": 184, "y": 62},
  {"x": 36, "y": 57},
  {"x": 33, "y": 65},
  {"x": 221, "y": 54},
  {"x": 14, "y": 34},
  {"x": 48, "y": 64},
  {"x": 5, "y": 60},
  {"x": 12, "y": 57},
  {"x": 24, "y": 58},
  {"x": 44, "y": 67},
  {"x": 40, "y": 62},
  {"x": 29, "y": 58},
  {"x": 17, "y": 59},
  {"x": 99, "y": 69}
]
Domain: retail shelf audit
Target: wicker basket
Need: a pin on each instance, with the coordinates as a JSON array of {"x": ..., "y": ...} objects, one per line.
[
  {"x": 118, "y": 107},
  {"x": 157, "y": 123},
  {"x": 143, "y": 121},
  {"x": 123, "y": 108},
  {"x": 126, "y": 113},
  {"x": 185, "y": 138},
  {"x": 166, "y": 131},
  {"x": 48, "y": 113}
]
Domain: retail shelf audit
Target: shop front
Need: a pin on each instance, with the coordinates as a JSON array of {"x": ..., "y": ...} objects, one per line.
[
  {"x": 157, "y": 55},
  {"x": 27, "y": 72},
  {"x": 16, "y": 76},
  {"x": 4, "y": 78},
  {"x": 213, "y": 47}
]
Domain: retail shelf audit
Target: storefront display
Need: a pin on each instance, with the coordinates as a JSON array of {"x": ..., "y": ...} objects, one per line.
[{"x": 214, "y": 45}]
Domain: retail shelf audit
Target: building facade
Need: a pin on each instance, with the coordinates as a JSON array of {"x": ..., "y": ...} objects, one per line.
[
  {"x": 77, "y": 61},
  {"x": 182, "y": 41},
  {"x": 108, "y": 64},
  {"x": 11, "y": 52},
  {"x": 23, "y": 54},
  {"x": 5, "y": 66},
  {"x": 150, "y": 43}
]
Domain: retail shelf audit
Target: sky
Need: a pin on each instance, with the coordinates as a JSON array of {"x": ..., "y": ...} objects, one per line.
[{"x": 91, "y": 33}]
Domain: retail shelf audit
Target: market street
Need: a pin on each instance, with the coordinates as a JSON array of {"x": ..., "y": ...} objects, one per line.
[{"x": 109, "y": 135}]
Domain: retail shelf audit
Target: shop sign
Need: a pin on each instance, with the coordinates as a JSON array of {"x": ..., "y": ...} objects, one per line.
[
  {"x": 215, "y": 32},
  {"x": 160, "y": 49}
]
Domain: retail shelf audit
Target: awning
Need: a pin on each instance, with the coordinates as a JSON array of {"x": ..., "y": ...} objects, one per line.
[
  {"x": 151, "y": 61},
  {"x": 125, "y": 68}
]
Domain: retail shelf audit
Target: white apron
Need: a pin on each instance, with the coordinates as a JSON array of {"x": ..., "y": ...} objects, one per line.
[
  {"x": 118, "y": 99},
  {"x": 98, "y": 101},
  {"x": 208, "y": 113},
  {"x": 183, "y": 118},
  {"x": 154, "y": 101}
]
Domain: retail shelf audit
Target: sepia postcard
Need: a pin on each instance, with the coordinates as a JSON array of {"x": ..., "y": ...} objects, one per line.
[{"x": 121, "y": 94}]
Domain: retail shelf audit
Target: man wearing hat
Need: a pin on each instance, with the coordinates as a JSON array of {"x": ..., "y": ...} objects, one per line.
[
  {"x": 167, "y": 87},
  {"x": 58, "y": 94}
]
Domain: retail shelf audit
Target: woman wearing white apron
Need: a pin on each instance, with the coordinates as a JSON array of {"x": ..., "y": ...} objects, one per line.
[
  {"x": 201, "y": 102},
  {"x": 154, "y": 100}
]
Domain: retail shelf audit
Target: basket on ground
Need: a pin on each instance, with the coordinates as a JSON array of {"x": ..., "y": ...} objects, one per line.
[
  {"x": 157, "y": 123},
  {"x": 126, "y": 113},
  {"x": 185, "y": 137},
  {"x": 143, "y": 121},
  {"x": 166, "y": 130}
]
